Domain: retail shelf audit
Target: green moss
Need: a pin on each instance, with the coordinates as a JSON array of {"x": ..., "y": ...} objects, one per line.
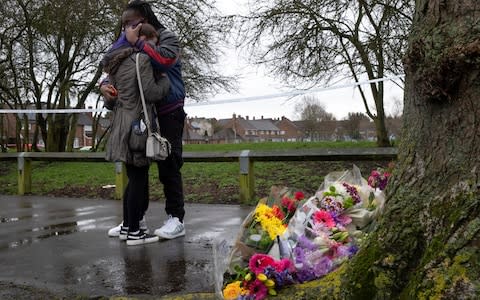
[
  {"x": 360, "y": 277},
  {"x": 449, "y": 274}
]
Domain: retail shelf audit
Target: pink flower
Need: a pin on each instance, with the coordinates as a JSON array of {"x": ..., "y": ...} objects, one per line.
[
  {"x": 258, "y": 289},
  {"x": 284, "y": 264},
  {"x": 258, "y": 262},
  {"x": 324, "y": 217}
]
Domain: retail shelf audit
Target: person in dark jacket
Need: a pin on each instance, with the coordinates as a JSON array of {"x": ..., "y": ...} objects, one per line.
[
  {"x": 127, "y": 139},
  {"x": 165, "y": 58}
]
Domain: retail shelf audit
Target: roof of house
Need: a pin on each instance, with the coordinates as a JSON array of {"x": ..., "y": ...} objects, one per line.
[{"x": 265, "y": 124}]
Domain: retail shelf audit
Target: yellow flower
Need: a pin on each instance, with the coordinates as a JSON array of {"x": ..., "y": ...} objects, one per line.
[
  {"x": 232, "y": 290},
  {"x": 272, "y": 292},
  {"x": 248, "y": 277},
  {"x": 262, "y": 277},
  {"x": 269, "y": 283},
  {"x": 268, "y": 221}
]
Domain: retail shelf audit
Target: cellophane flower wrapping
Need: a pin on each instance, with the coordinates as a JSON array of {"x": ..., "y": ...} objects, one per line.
[
  {"x": 287, "y": 239},
  {"x": 329, "y": 227}
]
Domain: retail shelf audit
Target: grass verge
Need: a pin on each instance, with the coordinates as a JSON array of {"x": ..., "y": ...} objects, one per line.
[{"x": 203, "y": 182}]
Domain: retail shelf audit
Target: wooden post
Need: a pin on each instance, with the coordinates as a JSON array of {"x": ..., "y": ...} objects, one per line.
[
  {"x": 24, "y": 175},
  {"x": 247, "y": 183},
  {"x": 120, "y": 180}
]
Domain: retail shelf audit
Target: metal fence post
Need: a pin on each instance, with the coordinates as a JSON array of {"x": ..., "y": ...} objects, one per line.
[
  {"x": 24, "y": 174},
  {"x": 247, "y": 183},
  {"x": 120, "y": 179}
]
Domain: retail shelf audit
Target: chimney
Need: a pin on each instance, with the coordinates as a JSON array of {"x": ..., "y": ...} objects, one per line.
[
  {"x": 247, "y": 117},
  {"x": 262, "y": 117},
  {"x": 253, "y": 117}
]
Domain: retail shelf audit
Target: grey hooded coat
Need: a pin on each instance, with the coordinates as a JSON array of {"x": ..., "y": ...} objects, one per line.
[{"x": 123, "y": 144}]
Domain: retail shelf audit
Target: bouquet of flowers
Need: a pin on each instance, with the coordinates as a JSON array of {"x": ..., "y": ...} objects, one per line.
[
  {"x": 329, "y": 227},
  {"x": 262, "y": 277},
  {"x": 292, "y": 240},
  {"x": 268, "y": 220}
]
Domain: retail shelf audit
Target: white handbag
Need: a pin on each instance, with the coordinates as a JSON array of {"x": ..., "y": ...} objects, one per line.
[{"x": 157, "y": 147}]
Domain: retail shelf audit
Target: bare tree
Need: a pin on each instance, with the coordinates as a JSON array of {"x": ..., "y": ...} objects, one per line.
[
  {"x": 312, "y": 42},
  {"x": 352, "y": 124},
  {"x": 50, "y": 53},
  {"x": 201, "y": 31},
  {"x": 312, "y": 112}
]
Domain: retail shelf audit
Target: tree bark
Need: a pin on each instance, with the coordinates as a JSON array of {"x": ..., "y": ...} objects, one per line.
[{"x": 427, "y": 242}]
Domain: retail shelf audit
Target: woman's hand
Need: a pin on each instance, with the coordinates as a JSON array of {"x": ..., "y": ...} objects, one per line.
[
  {"x": 109, "y": 92},
  {"x": 132, "y": 33}
]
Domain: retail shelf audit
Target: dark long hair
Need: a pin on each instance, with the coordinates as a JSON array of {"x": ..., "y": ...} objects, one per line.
[{"x": 144, "y": 9}]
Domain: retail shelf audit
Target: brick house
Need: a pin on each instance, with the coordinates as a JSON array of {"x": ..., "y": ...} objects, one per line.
[{"x": 83, "y": 132}]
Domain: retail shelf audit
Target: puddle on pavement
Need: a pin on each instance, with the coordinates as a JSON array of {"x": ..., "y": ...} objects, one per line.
[
  {"x": 53, "y": 230},
  {"x": 8, "y": 220}
]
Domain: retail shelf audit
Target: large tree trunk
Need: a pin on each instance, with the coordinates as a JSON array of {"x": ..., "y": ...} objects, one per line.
[{"x": 427, "y": 242}]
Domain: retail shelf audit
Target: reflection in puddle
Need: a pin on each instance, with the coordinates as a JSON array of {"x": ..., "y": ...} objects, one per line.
[
  {"x": 53, "y": 230},
  {"x": 54, "y": 214},
  {"x": 8, "y": 220}
]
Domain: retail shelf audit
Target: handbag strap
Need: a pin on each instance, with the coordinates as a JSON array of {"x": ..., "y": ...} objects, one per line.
[{"x": 142, "y": 96}]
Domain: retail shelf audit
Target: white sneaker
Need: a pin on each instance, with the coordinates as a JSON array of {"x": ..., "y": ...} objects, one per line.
[
  {"x": 115, "y": 231},
  {"x": 172, "y": 228}
]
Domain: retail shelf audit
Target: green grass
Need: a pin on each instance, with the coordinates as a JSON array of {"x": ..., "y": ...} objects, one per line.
[
  {"x": 277, "y": 146},
  {"x": 203, "y": 182}
]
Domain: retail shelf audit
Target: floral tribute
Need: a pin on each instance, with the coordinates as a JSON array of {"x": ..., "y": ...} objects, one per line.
[
  {"x": 268, "y": 222},
  {"x": 296, "y": 240}
]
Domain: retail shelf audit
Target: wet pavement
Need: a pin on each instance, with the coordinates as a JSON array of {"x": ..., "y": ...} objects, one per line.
[{"x": 59, "y": 246}]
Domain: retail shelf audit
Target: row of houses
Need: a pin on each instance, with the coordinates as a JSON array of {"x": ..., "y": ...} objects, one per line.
[
  {"x": 237, "y": 129},
  {"x": 243, "y": 129}
]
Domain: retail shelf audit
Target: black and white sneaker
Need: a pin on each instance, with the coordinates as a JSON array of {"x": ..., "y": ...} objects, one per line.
[
  {"x": 140, "y": 237},
  {"x": 123, "y": 233}
]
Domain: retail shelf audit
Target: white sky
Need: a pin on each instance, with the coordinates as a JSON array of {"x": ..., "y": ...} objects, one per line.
[{"x": 255, "y": 81}]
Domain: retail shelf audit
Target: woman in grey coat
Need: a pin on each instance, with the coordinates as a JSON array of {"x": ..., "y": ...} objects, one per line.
[{"x": 127, "y": 138}]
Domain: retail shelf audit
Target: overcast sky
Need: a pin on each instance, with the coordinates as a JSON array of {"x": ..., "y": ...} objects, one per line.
[{"x": 256, "y": 82}]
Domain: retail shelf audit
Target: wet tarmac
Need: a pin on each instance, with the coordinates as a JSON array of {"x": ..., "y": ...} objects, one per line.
[{"x": 59, "y": 246}]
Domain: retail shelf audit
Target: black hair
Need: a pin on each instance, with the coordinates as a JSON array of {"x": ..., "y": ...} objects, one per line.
[{"x": 145, "y": 10}]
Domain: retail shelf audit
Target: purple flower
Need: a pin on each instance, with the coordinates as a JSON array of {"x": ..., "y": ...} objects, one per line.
[
  {"x": 300, "y": 257},
  {"x": 343, "y": 251},
  {"x": 353, "y": 249},
  {"x": 323, "y": 267},
  {"x": 306, "y": 243},
  {"x": 281, "y": 278},
  {"x": 378, "y": 179},
  {"x": 341, "y": 220},
  {"x": 352, "y": 191},
  {"x": 304, "y": 275},
  {"x": 330, "y": 204}
]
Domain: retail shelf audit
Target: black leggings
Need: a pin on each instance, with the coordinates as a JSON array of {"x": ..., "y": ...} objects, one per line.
[{"x": 135, "y": 198}]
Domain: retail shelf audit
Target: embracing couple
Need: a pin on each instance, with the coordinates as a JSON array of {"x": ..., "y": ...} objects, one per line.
[{"x": 159, "y": 69}]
